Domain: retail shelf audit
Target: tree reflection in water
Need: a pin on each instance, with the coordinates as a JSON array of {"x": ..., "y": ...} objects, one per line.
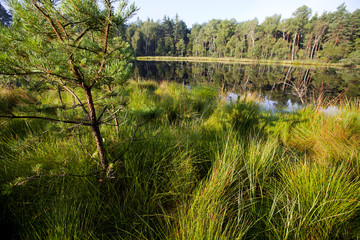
[{"x": 288, "y": 86}]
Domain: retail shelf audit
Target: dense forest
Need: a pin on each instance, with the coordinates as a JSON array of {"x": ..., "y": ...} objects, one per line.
[{"x": 329, "y": 37}]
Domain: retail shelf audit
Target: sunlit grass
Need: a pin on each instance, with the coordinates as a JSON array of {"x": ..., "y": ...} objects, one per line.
[
  {"x": 313, "y": 201},
  {"x": 200, "y": 168}
]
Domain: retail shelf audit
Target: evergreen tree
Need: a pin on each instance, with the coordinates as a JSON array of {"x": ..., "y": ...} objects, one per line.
[
  {"x": 338, "y": 44},
  {"x": 355, "y": 27},
  {"x": 297, "y": 25},
  {"x": 72, "y": 44}
]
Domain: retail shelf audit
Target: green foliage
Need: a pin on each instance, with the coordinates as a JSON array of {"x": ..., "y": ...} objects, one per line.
[
  {"x": 333, "y": 53},
  {"x": 29, "y": 47},
  {"x": 165, "y": 38},
  {"x": 354, "y": 57},
  {"x": 329, "y": 37}
]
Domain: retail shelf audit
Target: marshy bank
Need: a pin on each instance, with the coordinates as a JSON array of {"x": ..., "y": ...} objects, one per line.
[
  {"x": 232, "y": 60},
  {"x": 187, "y": 164}
]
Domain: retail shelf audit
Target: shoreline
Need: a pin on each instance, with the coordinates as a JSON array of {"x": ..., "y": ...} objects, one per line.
[{"x": 300, "y": 63}]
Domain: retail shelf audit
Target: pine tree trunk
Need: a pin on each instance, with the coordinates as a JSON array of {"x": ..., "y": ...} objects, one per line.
[
  {"x": 117, "y": 126},
  {"x": 96, "y": 130},
  {"x": 337, "y": 36},
  {"x": 313, "y": 51}
]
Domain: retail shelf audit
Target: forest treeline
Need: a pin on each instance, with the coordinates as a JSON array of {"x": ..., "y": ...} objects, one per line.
[{"x": 330, "y": 37}]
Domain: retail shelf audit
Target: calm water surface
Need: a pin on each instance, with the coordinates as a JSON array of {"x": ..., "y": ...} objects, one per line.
[{"x": 285, "y": 87}]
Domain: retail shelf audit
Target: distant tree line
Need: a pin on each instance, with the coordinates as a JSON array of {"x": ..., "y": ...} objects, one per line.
[
  {"x": 331, "y": 37},
  {"x": 168, "y": 37}
]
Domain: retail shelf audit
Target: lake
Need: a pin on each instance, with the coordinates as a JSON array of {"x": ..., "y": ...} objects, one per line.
[{"x": 280, "y": 86}]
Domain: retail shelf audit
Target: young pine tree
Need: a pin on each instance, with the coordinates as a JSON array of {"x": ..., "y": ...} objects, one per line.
[{"x": 71, "y": 43}]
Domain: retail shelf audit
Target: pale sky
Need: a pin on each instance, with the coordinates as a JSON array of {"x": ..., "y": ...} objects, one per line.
[{"x": 200, "y": 11}]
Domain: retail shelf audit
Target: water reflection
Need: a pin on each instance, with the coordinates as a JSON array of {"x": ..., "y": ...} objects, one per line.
[
  {"x": 285, "y": 87},
  {"x": 231, "y": 97},
  {"x": 268, "y": 105},
  {"x": 331, "y": 110},
  {"x": 273, "y": 106}
]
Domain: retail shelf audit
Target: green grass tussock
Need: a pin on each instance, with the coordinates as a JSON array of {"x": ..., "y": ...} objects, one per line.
[
  {"x": 12, "y": 98},
  {"x": 313, "y": 201}
]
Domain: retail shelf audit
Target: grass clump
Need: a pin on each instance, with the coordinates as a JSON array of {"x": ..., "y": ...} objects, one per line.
[
  {"x": 12, "y": 98},
  {"x": 313, "y": 201},
  {"x": 243, "y": 115},
  {"x": 217, "y": 208},
  {"x": 329, "y": 139}
]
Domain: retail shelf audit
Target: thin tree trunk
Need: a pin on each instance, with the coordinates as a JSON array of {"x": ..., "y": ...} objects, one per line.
[
  {"x": 316, "y": 46},
  {"x": 308, "y": 46},
  {"x": 283, "y": 34},
  {"x": 319, "y": 45},
  {"x": 95, "y": 129},
  {"x": 155, "y": 46},
  {"x": 337, "y": 36},
  {"x": 312, "y": 51},
  {"x": 117, "y": 125},
  {"x": 60, "y": 97},
  {"x": 293, "y": 47}
]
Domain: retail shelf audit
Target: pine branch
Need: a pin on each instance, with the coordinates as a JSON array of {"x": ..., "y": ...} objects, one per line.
[
  {"x": 45, "y": 118},
  {"x": 39, "y": 73},
  {"x": 132, "y": 11},
  {"x": 106, "y": 36},
  {"x": 103, "y": 121},
  {"x": 22, "y": 182},
  {"x": 77, "y": 98},
  {"x": 134, "y": 138},
  {"x": 61, "y": 16},
  {"x": 20, "y": 74},
  {"x": 73, "y": 80},
  {"x": 101, "y": 114},
  {"x": 82, "y": 34},
  {"x": 49, "y": 20},
  {"x": 83, "y": 48}
]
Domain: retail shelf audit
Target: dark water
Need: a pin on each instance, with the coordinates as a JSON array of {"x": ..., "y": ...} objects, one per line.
[{"x": 280, "y": 86}]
